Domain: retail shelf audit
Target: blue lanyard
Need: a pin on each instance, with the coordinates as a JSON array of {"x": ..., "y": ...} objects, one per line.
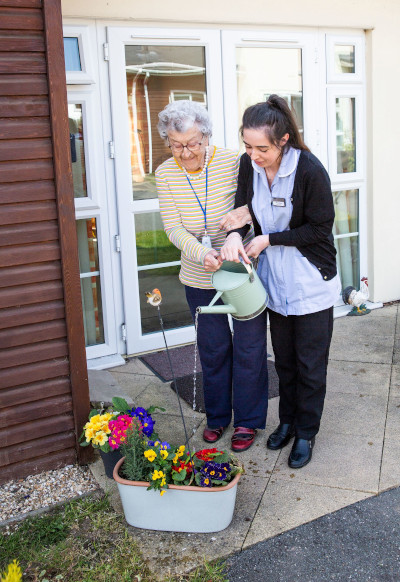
[{"x": 204, "y": 210}]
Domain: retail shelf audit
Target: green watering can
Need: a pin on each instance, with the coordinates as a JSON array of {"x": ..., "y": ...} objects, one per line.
[{"x": 241, "y": 290}]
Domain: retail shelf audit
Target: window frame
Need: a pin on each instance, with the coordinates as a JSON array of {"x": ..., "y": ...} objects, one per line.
[
  {"x": 86, "y": 75},
  {"x": 333, "y": 40}
]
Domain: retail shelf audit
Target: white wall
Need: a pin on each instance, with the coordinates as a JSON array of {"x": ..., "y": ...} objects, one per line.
[{"x": 379, "y": 18}]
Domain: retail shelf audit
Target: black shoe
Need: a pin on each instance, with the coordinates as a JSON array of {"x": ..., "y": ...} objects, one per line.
[
  {"x": 301, "y": 452},
  {"x": 280, "y": 437}
]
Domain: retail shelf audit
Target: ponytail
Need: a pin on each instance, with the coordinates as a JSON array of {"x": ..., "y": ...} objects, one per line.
[{"x": 276, "y": 118}]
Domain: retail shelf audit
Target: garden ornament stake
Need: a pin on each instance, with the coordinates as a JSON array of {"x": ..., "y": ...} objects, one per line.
[{"x": 154, "y": 298}]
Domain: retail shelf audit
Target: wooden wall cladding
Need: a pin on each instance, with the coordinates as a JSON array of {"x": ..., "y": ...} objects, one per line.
[{"x": 43, "y": 378}]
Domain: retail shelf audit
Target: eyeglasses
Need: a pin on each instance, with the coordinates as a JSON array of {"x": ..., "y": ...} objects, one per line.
[{"x": 191, "y": 147}]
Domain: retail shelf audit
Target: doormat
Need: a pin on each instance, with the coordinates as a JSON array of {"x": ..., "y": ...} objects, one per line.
[
  {"x": 182, "y": 359},
  {"x": 186, "y": 387}
]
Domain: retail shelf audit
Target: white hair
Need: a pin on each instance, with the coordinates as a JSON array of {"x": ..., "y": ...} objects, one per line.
[{"x": 181, "y": 116}]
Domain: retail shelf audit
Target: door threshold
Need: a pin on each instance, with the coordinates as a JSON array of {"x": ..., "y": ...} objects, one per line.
[{"x": 105, "y": 362}]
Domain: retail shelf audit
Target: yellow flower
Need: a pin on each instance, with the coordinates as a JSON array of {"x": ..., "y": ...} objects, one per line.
[
  {"x": 157, "y": 475},
  {"x": 100, "y": 439},
  {"x": 163, "y": 482},
  {"x": 150, "y": 455},
  {"x": 164, "y": 454},
  {"x": 181, "y": 450},
  {"x": 13, "y": 573},
  {"x": 175, "y": 459},
  {"x": 162, "y": 492}
]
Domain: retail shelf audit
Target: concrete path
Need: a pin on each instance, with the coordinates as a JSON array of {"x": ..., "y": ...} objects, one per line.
[{"x": 356, "y": 455}]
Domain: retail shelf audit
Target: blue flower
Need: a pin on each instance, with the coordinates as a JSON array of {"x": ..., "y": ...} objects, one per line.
[
  {"x": 150, "y": 443},
  {"x": 205, "y": 482},
  {"x": 147, "y": 424},
  {"x": 216, "y": 471},
  {"x": 164, "y": 445}
]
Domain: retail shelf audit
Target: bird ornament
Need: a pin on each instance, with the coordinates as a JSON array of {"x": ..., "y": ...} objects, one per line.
[
  {"x": 154, "y": 297},
  {"x": 357, "y": 298}
]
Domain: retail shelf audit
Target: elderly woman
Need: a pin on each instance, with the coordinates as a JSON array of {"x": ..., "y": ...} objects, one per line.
[{"x": 196, "y": 188}]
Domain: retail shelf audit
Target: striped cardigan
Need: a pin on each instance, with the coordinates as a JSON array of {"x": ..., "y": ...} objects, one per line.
[{"x": 183, "y": 218}]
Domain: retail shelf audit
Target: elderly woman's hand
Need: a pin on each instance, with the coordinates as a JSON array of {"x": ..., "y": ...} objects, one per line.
[
  {"x": 236, "y": 218},
  {"x": 212, "y": 261},
  {"x": 233, "y": 247},
  {"x": 257, "y": 244}
]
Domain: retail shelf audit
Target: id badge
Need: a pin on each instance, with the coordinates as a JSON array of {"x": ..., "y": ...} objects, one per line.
[
  {"x": 281, "y": 202},
  {"x": 206, "y": 241}
]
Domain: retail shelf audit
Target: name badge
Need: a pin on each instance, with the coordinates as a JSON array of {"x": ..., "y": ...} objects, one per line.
[
  {"x": 278, "y": 202},
  {"x": 206, "y": 241}
]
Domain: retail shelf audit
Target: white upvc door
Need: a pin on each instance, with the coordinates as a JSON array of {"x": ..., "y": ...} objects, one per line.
[
  {"x": 259, "y": 63},
  {"x": 149, "y": 68},
  {"x": 92, "y": 207}
]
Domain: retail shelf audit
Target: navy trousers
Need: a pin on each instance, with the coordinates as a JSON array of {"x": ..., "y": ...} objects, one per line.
[
  {"x": 301, "y": 347},
  {"x": 235, "y": 373}
]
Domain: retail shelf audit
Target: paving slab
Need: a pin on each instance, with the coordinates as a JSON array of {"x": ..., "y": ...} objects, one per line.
[
  {"x": 160, "y": 393},
  {"x": 358, "y": 378},
  {"x": 287, "y": 504},
  {"x": 355, "y": 414},
  {"x": 393, "y": 419},
  {"x": 170, "y": 427},
  {"x": 347, "y": 347},
  {"x": 133, "y": 384},
  {"x": 395, "y": 382},
  {"x": 133, "y": 366},
  {"x": 359, "y": 543},
  {"x": 103, "y": 386},
  {"x": 366, "y": 325},
  {"x": 390, "y": 468},
  {"x": 396, "y": 351},
  {"x": 339, "y": 460}
]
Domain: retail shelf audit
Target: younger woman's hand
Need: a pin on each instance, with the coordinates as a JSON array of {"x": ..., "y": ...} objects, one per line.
[
  {"x": 233, "y": 248},
  {"x": 235, "y": 218},
  {"x": 256, "y": 245},
  {"x": 212, "y": 261}
]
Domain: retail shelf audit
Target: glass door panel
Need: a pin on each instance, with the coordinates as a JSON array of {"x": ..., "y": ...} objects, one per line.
[
  {"x": 346, "y": 135},
  {"x": 158, "y": 267},
  {"x": 150, "y": 68},
  {"x": 155, "y": 76},
  {"x": 346, "y": 234},
  {"x": 261, "y": 71},
  {"x": 90, "y": 281},
  {"x": 76, "y": 140},
  {"x": 174, "y": 308}
]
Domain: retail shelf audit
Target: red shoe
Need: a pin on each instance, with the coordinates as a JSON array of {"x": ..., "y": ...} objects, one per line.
[
  {"x": 243, "y": 438},
  {"x": 212, "y": 435}
]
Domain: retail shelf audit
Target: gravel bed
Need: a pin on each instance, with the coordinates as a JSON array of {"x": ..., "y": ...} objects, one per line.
[{"x": 22, "y": 496}]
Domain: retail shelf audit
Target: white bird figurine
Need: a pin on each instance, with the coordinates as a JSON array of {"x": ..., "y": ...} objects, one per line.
[
  {"x": 357, "y": 298},
  {"x": 154, "y": 297}
]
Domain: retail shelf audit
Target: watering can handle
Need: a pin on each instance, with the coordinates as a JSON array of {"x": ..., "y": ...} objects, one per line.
[{"x": 249, "y": 269}]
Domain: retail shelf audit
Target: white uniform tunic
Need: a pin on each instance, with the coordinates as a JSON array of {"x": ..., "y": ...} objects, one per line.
[{"x": 294, "y": 285}]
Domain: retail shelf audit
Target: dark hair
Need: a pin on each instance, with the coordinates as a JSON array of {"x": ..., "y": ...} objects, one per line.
[{"x": 276, "y": 118}]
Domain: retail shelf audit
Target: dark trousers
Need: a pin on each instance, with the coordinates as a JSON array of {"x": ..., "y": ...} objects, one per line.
[
  {"x": 301, "y": 347},
  {"x": 235, "y": 372}
]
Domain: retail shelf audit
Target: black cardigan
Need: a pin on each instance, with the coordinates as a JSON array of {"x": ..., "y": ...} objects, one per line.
[{"x": 312, "y": 217}]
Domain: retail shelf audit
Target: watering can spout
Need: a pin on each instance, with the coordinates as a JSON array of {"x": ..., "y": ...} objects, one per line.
[
  {"x": 211, "y": 308},
  {"x": 216, "y": 309}
]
